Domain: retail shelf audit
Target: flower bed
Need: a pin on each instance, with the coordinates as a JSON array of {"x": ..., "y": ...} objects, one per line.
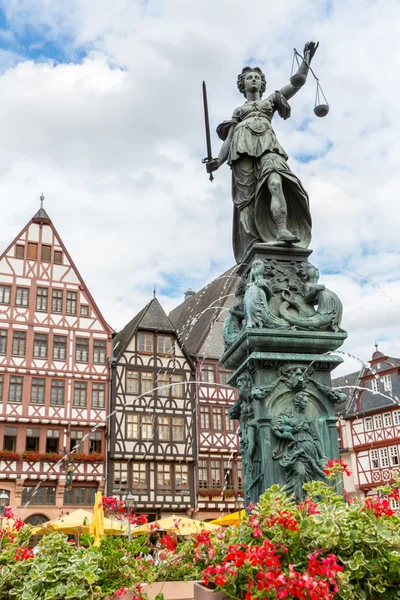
[{"x": 327, "y": 548}]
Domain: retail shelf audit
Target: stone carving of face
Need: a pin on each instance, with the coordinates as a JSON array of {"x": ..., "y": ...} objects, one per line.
[
  {"x": 252, "y": 82},
  {"x": 258, "y": 267},
  {"x": 243, "y": 385},
  {"x": 301, "y": 401}
]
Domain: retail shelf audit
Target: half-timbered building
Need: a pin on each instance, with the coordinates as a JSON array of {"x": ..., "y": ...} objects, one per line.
[
  {"x": 199, "y": 321},
  {"x": 54, "y": 345},
  {"x": 370, "y": 425},
  {"x": 152, "y": 449}
]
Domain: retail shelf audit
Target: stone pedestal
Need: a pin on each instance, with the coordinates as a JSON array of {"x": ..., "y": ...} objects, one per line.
[{"x": 279, "y": 338}]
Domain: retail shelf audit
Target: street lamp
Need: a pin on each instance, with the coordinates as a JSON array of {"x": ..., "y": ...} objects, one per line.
[
  {"x": 129, "y": 504},
  {"x": 4, "y": 500}
]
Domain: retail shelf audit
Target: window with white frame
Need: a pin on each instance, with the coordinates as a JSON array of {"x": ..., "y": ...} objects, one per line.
[
  {"x": 378, "y": 421},
  {"x": 384, "y": 456},
  {"x": 394, "y": 456},
  {"x": 387, "y": 419},
  {"x": 375, "y": 384},
  {"x": 394, "y": 504},
  {"x": 396, "y": 417},
  {"x": 373, "y": 454},
  {"x": 387, "y": 383},
  {"x": 368, "y": 423}
]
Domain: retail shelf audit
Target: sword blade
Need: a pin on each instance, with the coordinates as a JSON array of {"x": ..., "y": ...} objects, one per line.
[{"x": 207, "y": 126}]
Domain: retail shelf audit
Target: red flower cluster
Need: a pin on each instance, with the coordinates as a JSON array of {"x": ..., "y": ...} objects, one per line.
[
  {"x": 23, "y": 553},
  {"x": 203, "y": 542},
  {"x": 331, "y": 467},
  {"x": 260, "y": 570},
  {"x": 379, "y": 506},
  {"x": 309, "y": 507},
  {"x": 136, "y": 519},
  {"x": 112, "y": 505},
  {"x": 8, "y": 512},
  {"x": 168, "y": 543},
  {"x": 284, "y": 518}
]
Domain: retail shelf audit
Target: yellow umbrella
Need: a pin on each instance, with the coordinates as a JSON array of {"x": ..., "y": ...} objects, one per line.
[
  {"x": 232, "y": 519},
  {"x": 181, "y": 526},
  {"x": 97, "y": 523},
  {"x": 78, "y": 522}
]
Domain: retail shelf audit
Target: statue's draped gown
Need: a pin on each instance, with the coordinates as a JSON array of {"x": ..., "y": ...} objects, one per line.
[
  {"x": 301, "y": 459},
  {"x": 254, "y": 154}
]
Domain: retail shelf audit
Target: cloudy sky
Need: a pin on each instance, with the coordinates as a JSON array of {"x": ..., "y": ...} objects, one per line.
[{"x": 100, "y": 108}]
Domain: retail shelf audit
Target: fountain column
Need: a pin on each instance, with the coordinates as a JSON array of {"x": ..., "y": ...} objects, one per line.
[{"x": 279, "y": 339}]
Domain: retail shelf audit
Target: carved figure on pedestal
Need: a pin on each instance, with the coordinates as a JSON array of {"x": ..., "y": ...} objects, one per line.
[
  {"x": 329, "y": 308},
  {"x": 243, "y": 410},
  {"x": 299, "y": 449},
  {"x": 258, "y": 292},
  {"x": 270, "y": 203},
  {"x": 234, "y": 322}
]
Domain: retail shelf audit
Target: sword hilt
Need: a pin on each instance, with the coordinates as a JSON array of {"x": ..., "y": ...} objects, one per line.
[{"x": 205, "y": 161}]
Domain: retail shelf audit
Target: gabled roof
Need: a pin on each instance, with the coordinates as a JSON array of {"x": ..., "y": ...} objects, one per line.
[
  {"x": 366, "y": 400},
  {"x": 194, "y": 317},
  {"x": 151, "y": 317},
  {"x": 42, "y": 215}
]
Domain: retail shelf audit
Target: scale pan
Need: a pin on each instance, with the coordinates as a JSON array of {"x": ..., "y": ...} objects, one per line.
[
  {"x": 298, "y": 80},
  {"x": 321, "y": 110}
]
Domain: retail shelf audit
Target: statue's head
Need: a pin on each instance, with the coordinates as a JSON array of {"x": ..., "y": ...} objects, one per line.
[
  {"x": 300, "y": 401},
  {"x": 243, "y": 384},
  {"x": 251, "y": 79},
  {"x": 308, "y": 271},
  {"x": 258, "y": 266}
]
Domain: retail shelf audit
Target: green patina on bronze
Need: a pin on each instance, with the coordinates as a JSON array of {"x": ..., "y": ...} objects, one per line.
[{"x": 284, "y": 322}]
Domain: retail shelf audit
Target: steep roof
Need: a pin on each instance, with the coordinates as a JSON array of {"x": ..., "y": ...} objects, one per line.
[
  {"x": 346, "y": 380},
  {"x": 42, "y": 216},
  {"x": 152, "y": 317},
  {"x": 368, "y": 400},
  {"x": 194, "y": 318}
]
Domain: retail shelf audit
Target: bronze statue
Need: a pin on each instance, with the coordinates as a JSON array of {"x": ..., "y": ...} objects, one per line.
[
  {"x": 258, "y": 292},
  {"x": 299, "y": 450},
  {"x": 329, "y": 307},
  {"x": 270, "y": 203}
]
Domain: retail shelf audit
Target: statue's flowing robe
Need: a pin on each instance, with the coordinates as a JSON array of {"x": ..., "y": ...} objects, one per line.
[{"x": 254, "y": 154}]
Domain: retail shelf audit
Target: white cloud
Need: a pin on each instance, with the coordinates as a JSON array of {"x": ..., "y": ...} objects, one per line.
[{"x": 116, "y": 141}]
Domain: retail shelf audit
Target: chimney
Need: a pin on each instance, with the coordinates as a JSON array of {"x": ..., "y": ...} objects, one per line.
[{"x": 189, "y": 293}]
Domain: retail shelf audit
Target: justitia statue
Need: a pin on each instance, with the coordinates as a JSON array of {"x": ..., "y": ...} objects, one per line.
[{"x": 270, "y": 203}]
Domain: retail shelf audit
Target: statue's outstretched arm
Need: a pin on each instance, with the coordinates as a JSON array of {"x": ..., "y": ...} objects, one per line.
[{"x": 309, "y": 50}]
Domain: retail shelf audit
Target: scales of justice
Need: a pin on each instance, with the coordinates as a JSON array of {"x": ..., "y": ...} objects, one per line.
[{"x": 284, "y": 325}]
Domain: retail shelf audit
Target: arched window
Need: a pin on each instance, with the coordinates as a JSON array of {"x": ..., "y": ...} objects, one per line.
[{"x": 36, "y": 520}]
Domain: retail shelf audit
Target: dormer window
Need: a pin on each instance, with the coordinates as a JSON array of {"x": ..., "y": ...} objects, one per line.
[
  {"x": 374, "y": 385},
  {"x": 387, "y": 383}
]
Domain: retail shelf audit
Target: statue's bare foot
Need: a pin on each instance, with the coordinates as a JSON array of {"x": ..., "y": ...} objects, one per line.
[{"x": 284, "y": 235}]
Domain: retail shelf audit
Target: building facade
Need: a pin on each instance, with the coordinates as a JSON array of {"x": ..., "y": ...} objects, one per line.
[
  {"x": 370, "y": 425},
  {"x": 199, "y": 322},
  {"x": 54, "y": 378},
  {"x": 152, "y": 449}
]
